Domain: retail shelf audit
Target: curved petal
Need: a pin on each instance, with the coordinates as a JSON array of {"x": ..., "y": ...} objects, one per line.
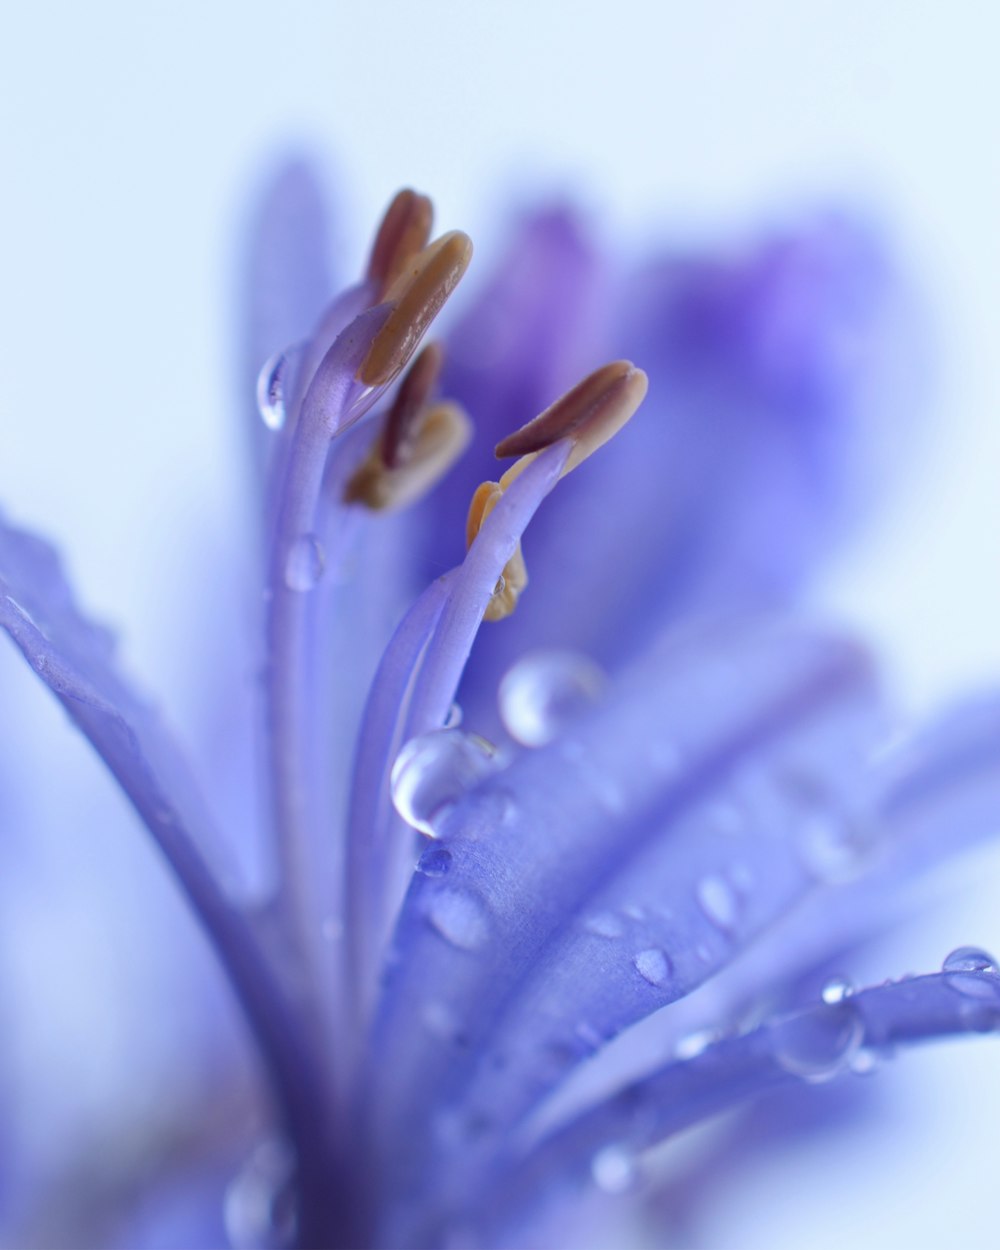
[
  {"x": 589, "y": 814},
  {"x": 816, "y": 1043}
]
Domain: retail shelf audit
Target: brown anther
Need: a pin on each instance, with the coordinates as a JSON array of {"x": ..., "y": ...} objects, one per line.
[
  {"x": 589, "y": 414},
  {"x": 414, "y": 392},
  {"x": 402, "y": 233},
  {"x": 417, "y": 295},
  {"x": 514, "y": 578},
  {"x": 438, "y": 435}
]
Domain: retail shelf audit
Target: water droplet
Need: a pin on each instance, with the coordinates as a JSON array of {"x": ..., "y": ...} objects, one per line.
[
  {"x": 304, "y": 563},
  {"x": 259, "y": 1205},
  {"x": 545, "y": 691},
  {"x": 272, "y": 386},
  {"x": 834, "y": 843},
  {"x": 435, "y": 862},
  {"x": 589, "y": 1036},
  {"x": 819, "y": 1043},
  {"x": 691, "y": 1045},
  {"x": 718, "y": 901},
  {"x": 433, "y": 771},
  {"x": 652, "y": 965},
  {"x": 836, "y": 990},
  {"x": 440, "y": 1021},
  {"x": 460, "y": 918},
  {"x": 613, "y": 1170},
  {"x": 865, "y": 1062},
  {"x": 604, "y": 924},
  {"x": 969, "y": 959}
]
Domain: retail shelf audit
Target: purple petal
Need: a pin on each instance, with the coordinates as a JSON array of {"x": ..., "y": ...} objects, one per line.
[
  {"x": 813, "y": 1044},
  {"x": 533, "y": 852},
  {"x": 287, "y": 278}
]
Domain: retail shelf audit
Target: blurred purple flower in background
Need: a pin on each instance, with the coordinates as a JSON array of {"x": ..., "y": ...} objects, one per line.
[{"x": 508, "y": 905}]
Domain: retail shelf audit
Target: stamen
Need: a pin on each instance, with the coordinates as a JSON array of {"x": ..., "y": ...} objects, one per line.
[
  {"x": 417, "y": 294},
  {"x": 403, "y": 233},
  {"x": 413, "y": 394},
  {"x": 437, "y": 437},
  {"x": 589, "y": 414},
  {"x": 514, "y": 578}
]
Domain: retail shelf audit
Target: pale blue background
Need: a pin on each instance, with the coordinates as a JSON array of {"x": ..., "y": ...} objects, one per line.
[{"x": 132, "y": 135}]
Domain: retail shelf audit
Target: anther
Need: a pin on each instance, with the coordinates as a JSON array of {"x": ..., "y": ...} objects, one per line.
[
  {"x": 413, "y": 393},
  {"x": 514, "y": 577},
  {"x": 589, "y": 414},
  {"x": 402, "y": 233},
  {"x": 416, "y": 295},
  {"x": 437, "y": 435}
]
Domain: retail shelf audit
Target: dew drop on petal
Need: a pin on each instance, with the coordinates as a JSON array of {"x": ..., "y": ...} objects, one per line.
[
  {"x": 433, "y": 771},
  {"x": 865, "y": 1062},
  {"x": 604, "y": 924},
  {"x": 969, "y": 959},
  {"x": 691, "y": 1045},
  {"x": 834, "y": 845},
  {"x": 544, "y": 691},
  {"x": 460, "y": 918},
  {"x": 613, "y": 1170},
  {"x": 718, "y": 901},
  {"x": 272, "y": 382},
  {"x": 304, "y": 563},
  {"x": 259, "y": 1205},
  {"x": 836, "y": 990},
  {"x": 819, "y": 1043},
  {"x": 435, "y": 862},
  {"x": 652, "y": 965}
]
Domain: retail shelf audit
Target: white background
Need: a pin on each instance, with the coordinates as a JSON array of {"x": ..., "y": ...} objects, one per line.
[{"x": 133, "y": 134}]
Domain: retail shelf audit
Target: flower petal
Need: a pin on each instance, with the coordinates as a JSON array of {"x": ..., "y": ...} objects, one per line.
[
  {"x": 816, "y": 1043},
  {"x": 533, "y": 852}
]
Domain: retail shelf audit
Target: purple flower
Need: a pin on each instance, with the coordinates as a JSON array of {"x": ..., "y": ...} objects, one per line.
[{"x": 503, "y": 952}]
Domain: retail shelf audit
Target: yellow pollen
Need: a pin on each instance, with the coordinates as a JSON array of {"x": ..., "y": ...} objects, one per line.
[
  {"x": 514, "y": 578},
  {"x": 438, "y": 435}
]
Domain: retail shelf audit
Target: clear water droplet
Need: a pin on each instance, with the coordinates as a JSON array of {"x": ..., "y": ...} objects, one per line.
[
  {"x": 717, "y": 899},
  {"x": 460, "y": 918},
  {"x": 865, "y": 1062},
  {"x": 544, "y": 691},
  {"x": 819, "y": 1043},
  {"x": 691, "y": 1045},
  {"x": 604, "y": 924},
  {"x": 435, "y": 862},
  {"x": 304, "y": 563},
  {"x": 433, "y": 771},
  {"x": 259, "y": 1204},
  {"x": 613, "y": 1170},
  {"x": 834, "y": 843},
  {"x": 589, "y": 1036},
  {"x": 836, "y": 990},
  {"x": 439, "y": 1020},
  {"x": 969, "y": 959},
  {"x": 652, "y": 965},
  {"x": 272, "y": 384}
]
